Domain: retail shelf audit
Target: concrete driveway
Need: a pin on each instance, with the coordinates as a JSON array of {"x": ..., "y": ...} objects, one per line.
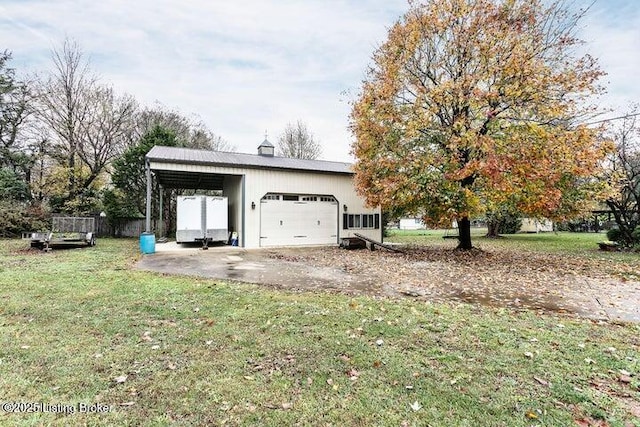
[
  {"x": 270, "y": 267},
  {"x": 479, "y": 280}
]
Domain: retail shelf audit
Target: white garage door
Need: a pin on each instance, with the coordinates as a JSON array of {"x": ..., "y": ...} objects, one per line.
[{"x": 289, "y": 220}]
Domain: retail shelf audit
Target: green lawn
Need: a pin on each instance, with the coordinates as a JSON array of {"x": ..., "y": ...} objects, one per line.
[
  {"x": 556, "y": 242},
  {"x": 82, "y": 327}
]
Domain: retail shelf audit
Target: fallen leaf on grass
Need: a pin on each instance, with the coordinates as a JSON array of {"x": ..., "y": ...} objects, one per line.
[
  {"x": 531, "y": 415},
  {"x": 127, "y": 403},
  {"x": 353, "y": 374},
  {"x": 120, "y": 379},
  {"x": 590, "y": 422},
  {"x": 541, "y": 381},
  {"x": 415, "y": 406},
  {"x": 287, "y": 405},
  {"x": 626, "y": 379}
]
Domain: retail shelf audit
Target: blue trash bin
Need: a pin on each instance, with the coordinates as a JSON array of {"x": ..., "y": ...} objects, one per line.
[{"x": 148, "y": 243}]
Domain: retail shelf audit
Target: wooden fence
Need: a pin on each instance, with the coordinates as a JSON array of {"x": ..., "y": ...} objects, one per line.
[{"x": 122, "y": 227}]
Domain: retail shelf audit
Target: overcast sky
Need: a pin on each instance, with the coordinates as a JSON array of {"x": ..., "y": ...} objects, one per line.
[{"x": 246, "y": 67}]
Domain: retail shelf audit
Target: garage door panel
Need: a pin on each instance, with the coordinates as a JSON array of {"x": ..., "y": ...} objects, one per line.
[{"x": 290, "y": 223}]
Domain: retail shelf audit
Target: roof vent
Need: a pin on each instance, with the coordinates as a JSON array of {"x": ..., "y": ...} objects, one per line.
[{"x": 266, "y": 148}]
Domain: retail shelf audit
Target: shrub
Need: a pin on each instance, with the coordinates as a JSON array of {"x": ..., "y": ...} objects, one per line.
[
  {"x": 614, "y": 235},
  {"x": 509, "y": 224},
  {"x": 503, "y": 222},
  {"x": 17, "y": 217}
]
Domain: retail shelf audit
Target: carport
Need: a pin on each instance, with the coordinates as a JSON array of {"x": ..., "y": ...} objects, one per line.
[{"x": 176, "y": 171}]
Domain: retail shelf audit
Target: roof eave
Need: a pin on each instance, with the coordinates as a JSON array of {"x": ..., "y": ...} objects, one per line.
[{"x": 236, "y": 166}]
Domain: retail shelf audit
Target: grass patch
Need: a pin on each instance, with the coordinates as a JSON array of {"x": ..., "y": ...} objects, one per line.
[
  {"x": 205, "y": 352},
  {"x": 584, "y": 244}
]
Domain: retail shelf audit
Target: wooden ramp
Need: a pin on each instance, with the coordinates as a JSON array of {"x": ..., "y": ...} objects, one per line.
[{"x": 374, "y": 243}]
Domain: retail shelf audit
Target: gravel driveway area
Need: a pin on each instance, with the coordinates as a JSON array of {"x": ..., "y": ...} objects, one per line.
[{"x": 587, "y": 287}]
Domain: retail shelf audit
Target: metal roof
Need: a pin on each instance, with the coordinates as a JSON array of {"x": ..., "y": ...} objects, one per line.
[
  {"x": 240, "y": 160},
  {"x": 266, "y": 143}
]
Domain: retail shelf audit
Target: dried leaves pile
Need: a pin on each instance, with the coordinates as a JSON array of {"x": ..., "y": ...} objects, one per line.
[{"x": 518, "y": 279}]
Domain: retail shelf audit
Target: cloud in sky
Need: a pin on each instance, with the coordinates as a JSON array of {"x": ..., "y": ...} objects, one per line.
[
  {"x": 612, "y": 34},
  {"x": 248, "y": 66}
]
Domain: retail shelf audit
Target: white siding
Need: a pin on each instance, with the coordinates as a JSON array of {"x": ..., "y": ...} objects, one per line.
[
  {"x": 232, "y": 188},
  {"x": 411, "y": 224},
  {"x": 531, "y": 225}
]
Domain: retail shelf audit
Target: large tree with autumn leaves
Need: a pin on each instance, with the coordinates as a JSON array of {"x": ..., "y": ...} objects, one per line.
[{"x": 473, "y": 105}]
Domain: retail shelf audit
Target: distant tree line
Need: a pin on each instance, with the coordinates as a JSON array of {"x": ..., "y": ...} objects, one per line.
[{"x": 71, "y": 144}]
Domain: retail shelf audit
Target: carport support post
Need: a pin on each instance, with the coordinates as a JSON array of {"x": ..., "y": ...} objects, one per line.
[
  {"x": 161, "y": 224},
  {"x": 147, "y": 224}
]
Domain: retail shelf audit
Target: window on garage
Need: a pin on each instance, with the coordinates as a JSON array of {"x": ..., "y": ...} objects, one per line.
[
  {"x": 367, "y": 221},
  {"x": 361, "y": 221}
]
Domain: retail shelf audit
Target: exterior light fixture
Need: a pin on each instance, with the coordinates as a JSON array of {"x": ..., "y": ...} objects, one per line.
[
  {"x": 253, "y": 205},
  {"x": 344, "y": 207}
]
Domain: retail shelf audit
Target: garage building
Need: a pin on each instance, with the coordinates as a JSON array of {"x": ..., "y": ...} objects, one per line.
[{"x": 273, "y": 201}]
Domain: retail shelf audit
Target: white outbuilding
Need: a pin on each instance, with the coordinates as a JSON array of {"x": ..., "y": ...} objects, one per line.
[{"x": 273, "y": 201}]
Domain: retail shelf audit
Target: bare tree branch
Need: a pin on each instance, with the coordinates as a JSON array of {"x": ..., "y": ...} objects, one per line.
[{"x": 298, "y": 142}]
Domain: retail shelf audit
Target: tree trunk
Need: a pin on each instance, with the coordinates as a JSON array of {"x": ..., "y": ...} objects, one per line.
[
  {"x": 464, "y": 234},
  {"x": 625, "y": 225},
  {"x": 492, "y": 229}
]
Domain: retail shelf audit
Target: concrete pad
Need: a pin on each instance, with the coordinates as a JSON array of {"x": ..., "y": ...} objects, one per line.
[
  {"x": 172, "y": 246},
  {"x": 380, "y": 273},
  {"x": 254, "y": 266}
]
